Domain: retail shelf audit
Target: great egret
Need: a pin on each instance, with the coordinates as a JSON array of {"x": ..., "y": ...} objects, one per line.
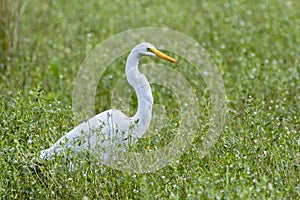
[{"x": 112, "y": 128}]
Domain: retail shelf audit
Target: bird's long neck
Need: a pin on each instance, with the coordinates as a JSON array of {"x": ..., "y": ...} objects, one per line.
[{"x": 142, "y": 89}]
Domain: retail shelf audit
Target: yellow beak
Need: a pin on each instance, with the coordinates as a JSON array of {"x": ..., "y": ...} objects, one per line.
[{"x": 162, "y": 55}]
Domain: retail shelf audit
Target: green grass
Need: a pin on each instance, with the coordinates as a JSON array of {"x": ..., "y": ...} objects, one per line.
[{"x": 256, "y": 46}]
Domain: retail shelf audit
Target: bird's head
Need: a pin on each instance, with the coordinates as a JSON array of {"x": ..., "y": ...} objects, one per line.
[{"x": 147, "y": 49}]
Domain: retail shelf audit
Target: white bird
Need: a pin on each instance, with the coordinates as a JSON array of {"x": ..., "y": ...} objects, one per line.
[{"x": 112, "y": 129}]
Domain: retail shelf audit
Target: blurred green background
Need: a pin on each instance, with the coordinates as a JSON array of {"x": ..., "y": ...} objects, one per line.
[{"x": 255, "y": 45}]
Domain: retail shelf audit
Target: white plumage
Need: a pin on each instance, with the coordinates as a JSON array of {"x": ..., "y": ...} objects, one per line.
[{"x": 112, "y": 129}]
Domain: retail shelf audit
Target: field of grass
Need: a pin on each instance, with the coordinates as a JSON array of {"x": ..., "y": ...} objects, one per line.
[{"x": 256, "y": 47}]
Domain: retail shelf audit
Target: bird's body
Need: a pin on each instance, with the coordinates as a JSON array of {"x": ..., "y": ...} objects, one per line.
[
  {"x": 98, "y": 134},
  {"x": 112, "y": 128}
]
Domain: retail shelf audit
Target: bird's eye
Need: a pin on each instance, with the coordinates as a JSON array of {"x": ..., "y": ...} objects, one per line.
[{"x": 148, "y": 49}]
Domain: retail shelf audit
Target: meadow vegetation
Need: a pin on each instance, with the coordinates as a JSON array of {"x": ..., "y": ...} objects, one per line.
[{"x": 256, "y": 47}]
